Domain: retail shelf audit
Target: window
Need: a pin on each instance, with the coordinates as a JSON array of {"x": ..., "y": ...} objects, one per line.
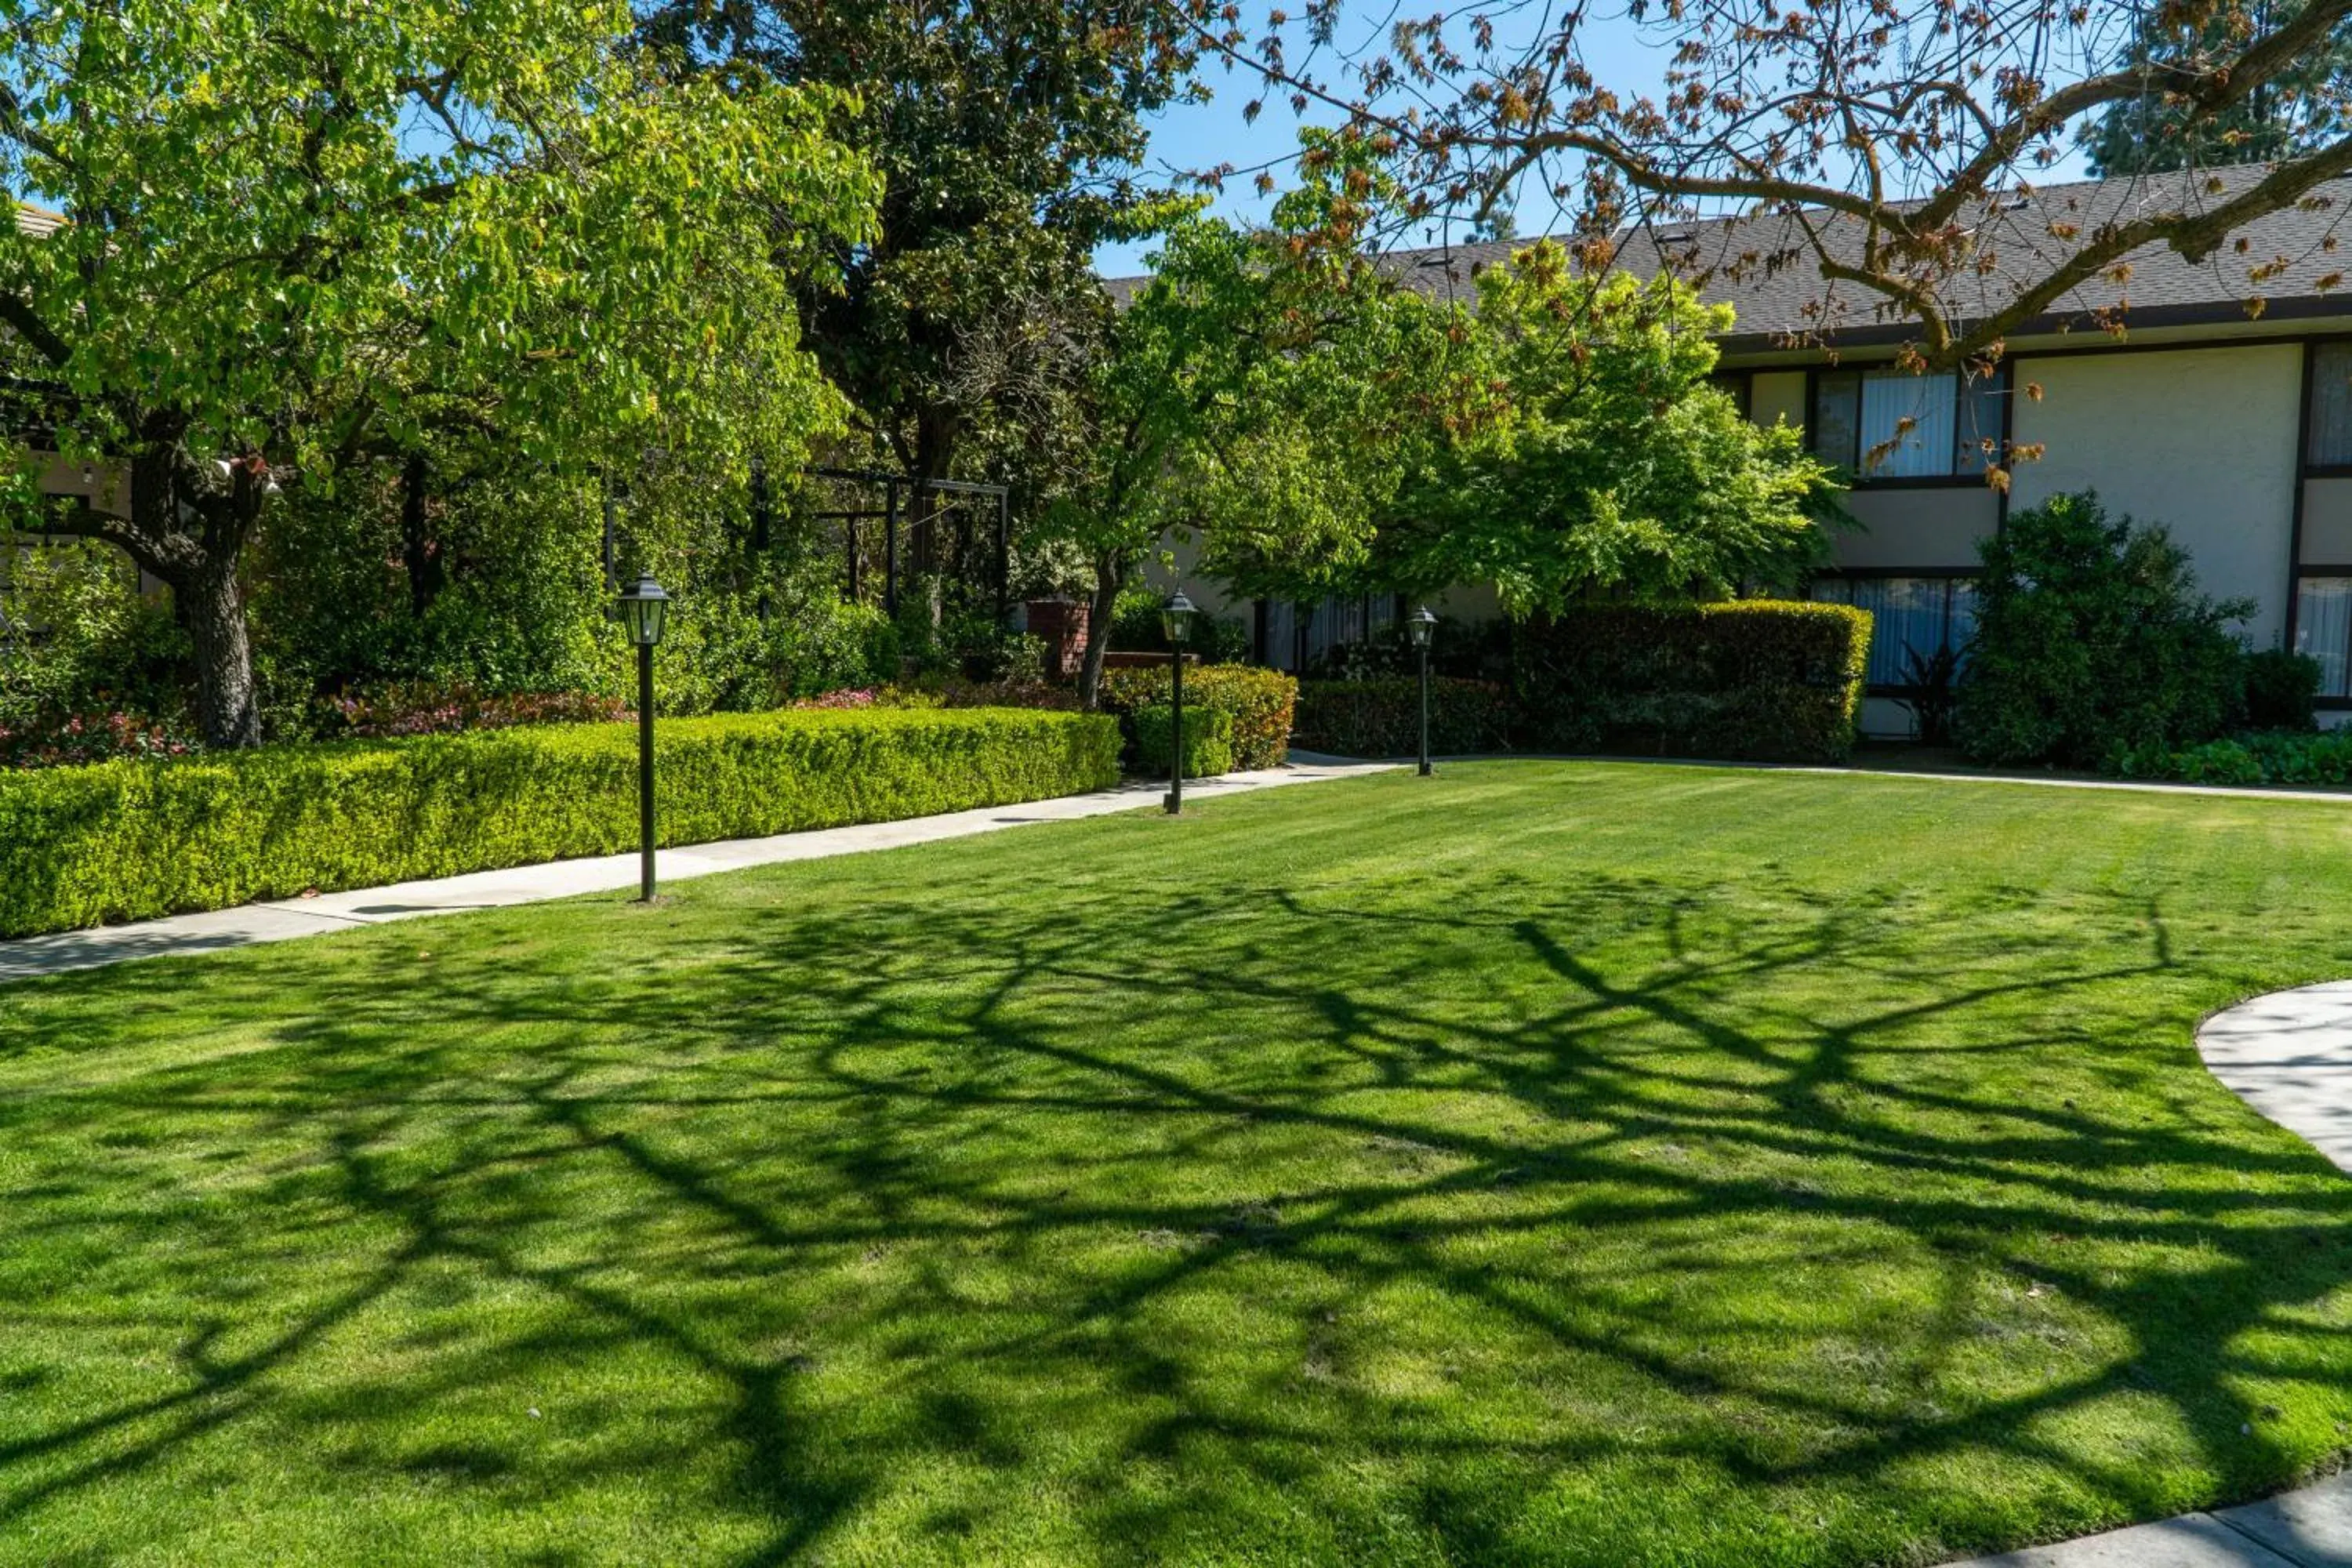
[
  {"x": 1907, "y": 614},
  {"x": 2323, "y": 629},
  {"x": 1893, "y": 425},
  {"x": 2331, "y": 406}
]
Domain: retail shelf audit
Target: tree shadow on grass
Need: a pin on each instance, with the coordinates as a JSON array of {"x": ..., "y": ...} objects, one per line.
[{"x": 1619, "y": 1224}]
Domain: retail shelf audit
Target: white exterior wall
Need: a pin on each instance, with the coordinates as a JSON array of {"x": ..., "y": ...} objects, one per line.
[{"x": 2201, "y": 440}]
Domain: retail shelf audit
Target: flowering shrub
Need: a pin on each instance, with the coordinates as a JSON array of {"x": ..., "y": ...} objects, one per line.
[
  {"x": 854, "y": 697},
  {"x": 425, "y": 708},
  {"x": 88, "y": 737}
]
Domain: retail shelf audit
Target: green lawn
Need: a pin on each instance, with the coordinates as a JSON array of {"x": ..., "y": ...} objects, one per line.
[{"x": 1542, "y": 1163}]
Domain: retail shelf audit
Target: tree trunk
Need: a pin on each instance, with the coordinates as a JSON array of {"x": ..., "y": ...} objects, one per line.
[
  {"x": 426, "y": 576},
  {"x": 212, "y": 608},
  {"x": 1111, "y": 576}
]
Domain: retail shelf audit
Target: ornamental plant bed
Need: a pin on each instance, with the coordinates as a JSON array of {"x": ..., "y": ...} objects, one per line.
[{"x": 128, "y": 840}]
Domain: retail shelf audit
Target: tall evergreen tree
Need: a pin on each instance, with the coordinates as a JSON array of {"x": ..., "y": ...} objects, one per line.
[{"x": 2301, "y": 108}]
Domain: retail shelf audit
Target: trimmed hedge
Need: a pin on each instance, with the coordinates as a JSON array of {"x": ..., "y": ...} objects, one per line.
[
  {"x": 129, "y": 840},
  {"x": 1208, "y": 741},
  {"x": 1382, "y": 717},
  {"x": 1262, "y": 703},
  {"x": 1751, "y": 678}
]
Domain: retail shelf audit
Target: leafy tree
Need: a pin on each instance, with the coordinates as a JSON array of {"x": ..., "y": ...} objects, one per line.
[
  {"x": 1880, "y": 148},
  {"x": 2292, "y": 114},
  {"x": 1008, "y": 134},
  {"x": 2092, "y": 638},
  {"x": 1256, "y": 394},
  {"x": 303, "y": 232},
  {"x": 1599, "y": 457}
]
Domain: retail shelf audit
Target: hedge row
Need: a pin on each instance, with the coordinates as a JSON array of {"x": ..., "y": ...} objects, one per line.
[
  {"x": 2271, "y": 757},
  {"x": 1751, "y": 678},
  {"x": 1382, "y": 717},
  {"x": 129, "y": 840},
  {"x": 1208, "y": 741},
  {"x": 1262, "y": 703}
]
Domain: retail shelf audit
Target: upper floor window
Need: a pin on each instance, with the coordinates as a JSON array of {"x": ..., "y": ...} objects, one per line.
[
  {"x": 1893, "y": 425},
  {"x": 2331, "y": 406}
]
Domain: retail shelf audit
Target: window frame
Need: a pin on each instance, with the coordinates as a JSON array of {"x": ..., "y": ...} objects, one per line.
[
  {"x": 1863, "y": 481},
  {"x": 1945, "y": 575},
  {"x": 2305, "y": 471}
]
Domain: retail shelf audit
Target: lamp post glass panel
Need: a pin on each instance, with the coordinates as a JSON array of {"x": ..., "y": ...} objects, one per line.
[
  {"x": 643, "y": 608},
  {"x": 1421, "y": 627},
  {"x": 1176, "y": 620}
]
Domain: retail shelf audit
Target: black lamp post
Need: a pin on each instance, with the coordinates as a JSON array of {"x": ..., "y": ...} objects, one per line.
[
  {"x": 1421, "y": 626},
  {"x": 643, "y": 609},
  {"x": 1176, "y": 620}
]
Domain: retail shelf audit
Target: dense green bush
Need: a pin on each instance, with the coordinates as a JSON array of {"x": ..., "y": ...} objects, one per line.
[
  {"x": 2263, "y": 757},
  {"x": 2092, "y": 637},
  {"x": 1262, "y": 703},
  {"x": 1208, "y": 739},
  {"x": 1749, "y": 679},
  {"x": 1136, "y": 627},
  {"x": 126, "y": 840},
  {"x": 1381, "y": 718},
  {"x": 2281, "y": 691}
]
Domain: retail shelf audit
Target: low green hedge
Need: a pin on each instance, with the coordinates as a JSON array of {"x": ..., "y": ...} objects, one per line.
[
  {"x": 1758, "y": 678},
  {"x": 1208, "y": 741},
  {"x": 1382, "y": 717},
  {"x": 2267, "y": 757},
  {"x": 128, "y": 840},
  {"x": 1261, "y": 702}
]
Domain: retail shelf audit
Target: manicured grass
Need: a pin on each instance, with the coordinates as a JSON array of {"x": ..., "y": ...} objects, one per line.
[{"x": 1543, "y": 1163}]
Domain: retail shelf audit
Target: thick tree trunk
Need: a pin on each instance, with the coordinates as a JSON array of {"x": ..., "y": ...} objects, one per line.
[
  {"x": 417, "y": 552},
  {"x": 1111, "y": 576},
  {"x": 212, "y": 608}
]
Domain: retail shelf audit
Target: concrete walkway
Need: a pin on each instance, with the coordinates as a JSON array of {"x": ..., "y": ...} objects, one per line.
[
  {"x": 2306, "y": 1529},
  {"x": 288, "y": 918},
  {"x": 2289, "y": 1055}
]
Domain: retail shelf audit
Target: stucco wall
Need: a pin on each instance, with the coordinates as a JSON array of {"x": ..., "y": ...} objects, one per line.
[
  {"x": 1906, "y": 527},
  {"x": 2201, "y": 440},
  {"x": 1776, "y": 395}
]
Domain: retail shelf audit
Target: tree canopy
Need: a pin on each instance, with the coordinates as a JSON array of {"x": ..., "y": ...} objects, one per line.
[
  {"x": 2294, "y": 114},
  {"x": 1883, "y": 143},
  {"x": 298, "y": 231}
]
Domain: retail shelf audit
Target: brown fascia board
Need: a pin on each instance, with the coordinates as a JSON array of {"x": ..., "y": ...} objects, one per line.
[{"x": 2077, "y": 324}]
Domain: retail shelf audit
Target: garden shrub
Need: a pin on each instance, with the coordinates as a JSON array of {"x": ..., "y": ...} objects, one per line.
[
  {"x": 1262, "y": 701},
  {"x": 128, "y": 840},
  {"x": 437, "y": 708},
  {"x": 1758, "y": 679},
  {"x": 1381, "y": 718},
  {"x": 1208, "y": 739},
  {"x": 2281, "y": 691},
  {"x": 2092, "y": 637},
  {"x": 2265, "y": 757},
  {"x": 1136, "y": 627}
]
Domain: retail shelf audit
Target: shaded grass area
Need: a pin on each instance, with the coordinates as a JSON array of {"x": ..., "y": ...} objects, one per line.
[{"x": 1547, "y": 1163}]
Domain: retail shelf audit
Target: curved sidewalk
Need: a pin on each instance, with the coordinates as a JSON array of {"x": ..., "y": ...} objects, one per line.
[
  {"x": 2289, "y": 1055},
  {"x": 284, "y": 919}
]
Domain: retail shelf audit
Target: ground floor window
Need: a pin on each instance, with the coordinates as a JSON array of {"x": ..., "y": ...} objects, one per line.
[
  {"x": 1908, "y": 615},
  {"x": 2323, "y": 629}
]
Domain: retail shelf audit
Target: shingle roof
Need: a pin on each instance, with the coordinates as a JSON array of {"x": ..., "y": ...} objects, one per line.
[
  {"x": 38, "y": 222},
  {"x": 1764, "y": 269}
]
